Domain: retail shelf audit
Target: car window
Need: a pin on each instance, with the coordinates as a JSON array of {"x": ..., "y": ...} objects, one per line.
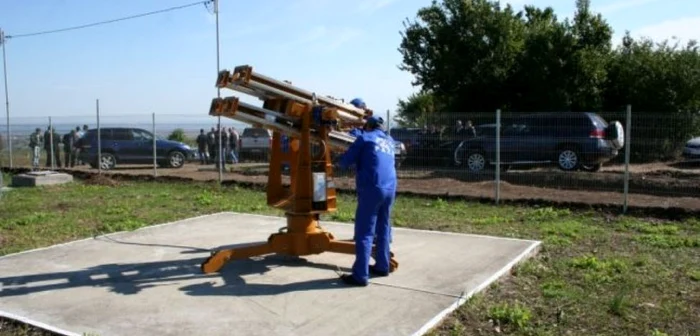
[
  {"x": 140, "y": 135},
  {"x": 121, "y": 134},
  {"x": 105, "y": 134},
  {"x": 515, "y": 129},
  {"x": 255, "y": 132},
  {"x": 598, "y": 121}
]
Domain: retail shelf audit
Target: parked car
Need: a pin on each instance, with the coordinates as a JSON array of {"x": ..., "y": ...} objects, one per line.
[
  {"x": 399, "y": 153},
  {"x": 255, "y": 142},
  {"x": 426, "y": 150},
  {"x": 571, "y": 141},
  {"x": 124, "y": 145},
  {"x": 692, "y": 149}
]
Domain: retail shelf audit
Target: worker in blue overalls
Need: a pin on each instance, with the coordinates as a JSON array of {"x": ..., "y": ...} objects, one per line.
[{"x": 372, "y": 154}]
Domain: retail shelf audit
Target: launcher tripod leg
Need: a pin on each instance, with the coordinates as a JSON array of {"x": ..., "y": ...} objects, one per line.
[{"x": 218, "y": 259}]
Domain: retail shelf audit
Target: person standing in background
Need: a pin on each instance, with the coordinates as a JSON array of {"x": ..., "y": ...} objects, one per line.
[
  {"x": 52, "y": 139},
  {"x": 202, "y": 142},
  {"x": 68, "y": 148},
  {"x": 234, "y": 138},
  {"x": 211, "y": 137},
  {"x": 36, "y": 140}
]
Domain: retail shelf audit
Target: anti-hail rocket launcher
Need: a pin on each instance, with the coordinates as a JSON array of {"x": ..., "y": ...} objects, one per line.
[
  {"x": 327, "y": 111},
  {"x": 305, "y": 119}
]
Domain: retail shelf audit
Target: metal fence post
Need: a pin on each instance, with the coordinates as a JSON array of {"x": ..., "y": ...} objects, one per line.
[
  {"x": 628, "y": 130},
  {"x": 219, "y": 155},
  {"x": 7, "y": 95},
  {"x": 99, "y": 139},
  {"x": 155, "y": 162},
  {"x": 51, "y": 152},
  {"x": 388, "y": 123},
  {"x": 498, "y": 156}
]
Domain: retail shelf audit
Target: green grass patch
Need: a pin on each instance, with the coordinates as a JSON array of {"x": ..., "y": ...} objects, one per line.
[{"x": 595, "y": 275}]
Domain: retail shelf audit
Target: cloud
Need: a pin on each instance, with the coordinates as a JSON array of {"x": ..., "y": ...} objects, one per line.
[
  {"x": 620, "y": 5},
  {"x": 370, "y": 6},
  {"x": 312, "y": 35},
  {"x": 684, "y": 29},
  {"x": 340, "y": 38}
]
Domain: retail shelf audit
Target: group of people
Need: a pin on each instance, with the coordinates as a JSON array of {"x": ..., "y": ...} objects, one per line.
[
  {"x": 51, "y": 142},
  {"x": 208, "y": 145}
]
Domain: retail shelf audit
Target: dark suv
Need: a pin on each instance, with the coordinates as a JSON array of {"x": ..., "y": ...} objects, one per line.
[
  {"x": 572, "y": 141},
  {"x": 125, "y": 145}
]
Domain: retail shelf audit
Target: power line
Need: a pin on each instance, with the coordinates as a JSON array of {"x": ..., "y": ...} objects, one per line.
[{"x": 205, "y": 3}]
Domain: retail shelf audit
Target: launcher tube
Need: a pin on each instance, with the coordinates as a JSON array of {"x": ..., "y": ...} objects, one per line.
[
  {"x": 246, "y": 75},
  {"x": 337, "y": 139}
]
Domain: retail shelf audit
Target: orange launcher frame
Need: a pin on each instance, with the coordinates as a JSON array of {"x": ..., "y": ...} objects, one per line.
[{"x": 309, "y": 194}]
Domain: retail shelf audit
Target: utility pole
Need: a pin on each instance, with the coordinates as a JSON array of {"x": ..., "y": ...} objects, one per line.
[
  {"x": 7, "y": 95},
  {"x": 220, "y": 156}
]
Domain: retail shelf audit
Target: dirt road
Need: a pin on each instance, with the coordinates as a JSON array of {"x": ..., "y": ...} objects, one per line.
[{"x": 551, "y": 187}]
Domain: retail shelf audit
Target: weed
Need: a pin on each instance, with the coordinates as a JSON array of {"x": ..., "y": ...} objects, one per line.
[
  {"x": 648, "y": 228},
  {"x": 507, "y": 314},
  {"x": 547, "y": 214},
  {"x": 343, "y": 216},
  {"x": 669, "y": 242},
  {"x": 598, "y": 271},
  {"x": 694, "y": 275},
  {"x": 619, "y": 305},
  {"x": 657, "y": 332},
  {"x": 555, "y": 289}
]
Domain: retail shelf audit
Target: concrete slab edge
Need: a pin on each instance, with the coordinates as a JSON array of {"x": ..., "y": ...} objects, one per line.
[
  {"x": 36, "y": 324},
  {"x": 109, "y": 234},
  {"x": 530, "y": 251}
]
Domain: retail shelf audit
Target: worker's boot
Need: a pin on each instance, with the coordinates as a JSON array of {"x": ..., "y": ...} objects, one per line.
[
  {"x": 350, "y": 280},
  {"x": 374, "y": 271}
]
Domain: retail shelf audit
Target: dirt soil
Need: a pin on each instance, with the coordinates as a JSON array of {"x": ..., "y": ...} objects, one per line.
[
  {"x": 102, "y": 180},
  {"x": 667, "y": 191}
]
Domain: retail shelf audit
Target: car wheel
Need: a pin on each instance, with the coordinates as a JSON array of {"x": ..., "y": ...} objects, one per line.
[
  {"x": 591, "y": 168},
  {"x": 107, "y": 161},
  {"x": 476, "y": 162},
  {"x": 176, "y": 159},
  {"x": 568, "y": 159}
]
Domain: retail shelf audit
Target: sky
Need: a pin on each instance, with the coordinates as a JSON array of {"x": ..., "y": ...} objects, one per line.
[{"x": 166, "y": 63}]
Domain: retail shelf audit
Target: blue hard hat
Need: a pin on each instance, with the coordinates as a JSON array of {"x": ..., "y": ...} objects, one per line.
[{"x": 358, "y": 102}]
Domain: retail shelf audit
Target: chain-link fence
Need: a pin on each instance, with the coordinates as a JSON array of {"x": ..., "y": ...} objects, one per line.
[{"x": 607, "y": 157}]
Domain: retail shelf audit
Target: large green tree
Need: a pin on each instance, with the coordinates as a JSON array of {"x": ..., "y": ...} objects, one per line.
[
  {"x": 478, "y": 56},
  {"x": 463, "y": 52}
]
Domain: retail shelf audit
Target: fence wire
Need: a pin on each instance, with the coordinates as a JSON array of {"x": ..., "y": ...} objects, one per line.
[{"x": 577, "y": 157}]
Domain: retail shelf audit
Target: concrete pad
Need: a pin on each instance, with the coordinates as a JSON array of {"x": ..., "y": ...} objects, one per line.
[
  {"x": 148, "y": 282},
  {"x": 38, "y": 178}
]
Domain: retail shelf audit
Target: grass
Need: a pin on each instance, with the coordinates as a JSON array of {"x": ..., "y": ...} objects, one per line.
[{"x": 597, "y": 274}]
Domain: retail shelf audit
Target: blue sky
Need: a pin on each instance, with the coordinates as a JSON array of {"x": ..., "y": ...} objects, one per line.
[{"x": 166, "y": 63}]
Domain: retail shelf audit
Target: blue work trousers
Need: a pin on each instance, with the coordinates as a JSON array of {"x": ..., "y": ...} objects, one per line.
[{"x": 372, "y": 218}]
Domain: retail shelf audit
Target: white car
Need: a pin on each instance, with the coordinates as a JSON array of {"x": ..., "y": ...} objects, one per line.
[{"x": 692, "y": 149}]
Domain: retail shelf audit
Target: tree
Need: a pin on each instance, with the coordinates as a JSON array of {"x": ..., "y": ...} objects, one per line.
[
  {"x": 179, "y": 135},
  {"x": 417, "y": 110},
  {"x": 662, "y": 82},
  {"x": 476, "y": 56},
  {"x": 463, "y": 52}
]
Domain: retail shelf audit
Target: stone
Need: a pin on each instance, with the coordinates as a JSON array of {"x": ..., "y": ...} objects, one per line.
[{"x": 40, "y": 178}]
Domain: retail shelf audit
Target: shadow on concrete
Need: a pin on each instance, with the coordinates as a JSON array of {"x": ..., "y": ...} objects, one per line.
[
  {"x": 130, "y": 279},
  {"x": 187, "y": 249}
]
